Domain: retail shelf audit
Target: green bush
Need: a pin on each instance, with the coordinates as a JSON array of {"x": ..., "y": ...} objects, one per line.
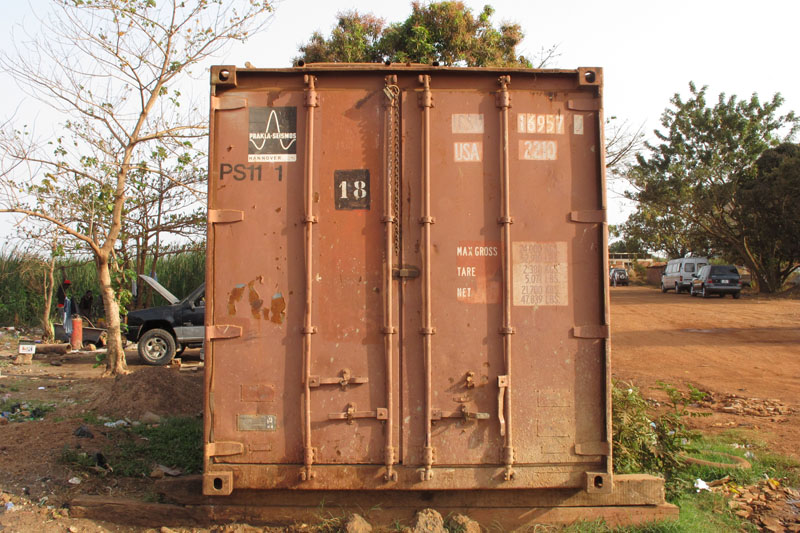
[{"x": 645, "y": 444}]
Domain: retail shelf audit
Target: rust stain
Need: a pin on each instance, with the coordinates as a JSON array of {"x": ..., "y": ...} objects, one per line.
[
  {"x": 278, "y": 308},
  {"x": 234, "y": 296}
]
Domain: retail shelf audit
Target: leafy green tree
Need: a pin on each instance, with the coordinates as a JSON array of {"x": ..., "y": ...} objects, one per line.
[
  {"x": 768, "y": 208},
  {"x": 692, "y": 175},
  {"x": 354, "y": 39},
  {"x": 447, "y": 32},
  {"x": 625, "y": 244},
  {"x": 661, "y": 231},
  {"x": 112, "y": 70}
]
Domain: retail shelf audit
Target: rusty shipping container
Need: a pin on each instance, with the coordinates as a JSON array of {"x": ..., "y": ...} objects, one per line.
[{"x": 406, "y": 279}]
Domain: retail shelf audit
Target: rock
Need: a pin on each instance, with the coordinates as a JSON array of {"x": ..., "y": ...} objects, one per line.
[
  {"x": 83, "y": 432},
  {"x": 428, "y": 521},
  {"x": 742, "y": 514},
  {"x": 72, "y": 529},
  {"x": 150, "y": 418},
  {"x": 465, "y": 524},
  {"x": 23, "y": 359},
  {"x": 74, "y": 481},
  {"x": 357, "y": 524},
  {"x": 157, "y": 473},
  {"x": 770, "y": 522}
]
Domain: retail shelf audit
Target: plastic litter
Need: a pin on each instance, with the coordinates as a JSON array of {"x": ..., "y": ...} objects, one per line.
[
  {"x": 74, "y": 481},
  {"x": 699, "y": 484}
]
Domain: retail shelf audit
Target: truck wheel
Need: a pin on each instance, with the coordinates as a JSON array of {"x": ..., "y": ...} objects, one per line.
[
  {"x": 156, "y": 347},
  {"x": 663, "y": 288}
]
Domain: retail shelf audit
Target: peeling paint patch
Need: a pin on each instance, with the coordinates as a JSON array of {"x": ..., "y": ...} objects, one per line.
[
  {"x": 278, "y": 308},
  {"x": 253, "y": 297},
  {"x": 234, "y": 296}
]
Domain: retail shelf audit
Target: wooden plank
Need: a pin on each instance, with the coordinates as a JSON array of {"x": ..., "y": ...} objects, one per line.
[
  {"x": 59, "y": 349},
  {"x": 131, "y": 512},
  {"x": 136, "y": 513},
  {"x": 635, "y": 489},
  {"x": 508, "y": 519}
]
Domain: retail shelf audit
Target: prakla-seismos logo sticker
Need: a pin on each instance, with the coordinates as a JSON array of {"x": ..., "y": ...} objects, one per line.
[{"x": 273, "y": 134}]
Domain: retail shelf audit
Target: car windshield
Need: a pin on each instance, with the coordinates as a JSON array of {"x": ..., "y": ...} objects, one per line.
[{"x": 724, "y": 270}]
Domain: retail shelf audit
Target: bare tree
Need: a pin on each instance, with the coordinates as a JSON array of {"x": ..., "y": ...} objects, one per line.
[
  {"x": 112, "y": 69},
  {"x": 165, "y": 215},
  {"x": 623, "y": 142}
]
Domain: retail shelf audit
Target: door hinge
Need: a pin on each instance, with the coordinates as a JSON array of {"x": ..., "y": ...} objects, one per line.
[{"x": 222, "y": 448}]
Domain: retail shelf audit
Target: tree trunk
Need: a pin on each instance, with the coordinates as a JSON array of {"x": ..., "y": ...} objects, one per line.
[
  {"x": 115, "y": 357},
  {"x": 47, "y": 324}
]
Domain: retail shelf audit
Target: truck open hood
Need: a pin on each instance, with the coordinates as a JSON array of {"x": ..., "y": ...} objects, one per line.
[{"x": 160, "y": 289}]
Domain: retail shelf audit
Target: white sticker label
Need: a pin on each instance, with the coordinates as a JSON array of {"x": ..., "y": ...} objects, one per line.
[
  {"x": 27, "y": 348},
  {"x": 540, "y": 273},
  {"x": 536, "y": 123},
  {"x": 538, "y": 150},
  {"x": 577, "y": 126},
  {"x": 467, "y": 123},
  {"x": 467, "y": 151}
]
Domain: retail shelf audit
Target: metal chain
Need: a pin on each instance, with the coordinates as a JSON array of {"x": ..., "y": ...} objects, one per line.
[{"x": 394, "y": 161}]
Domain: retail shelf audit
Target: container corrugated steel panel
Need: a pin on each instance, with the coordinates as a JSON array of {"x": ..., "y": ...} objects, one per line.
[{"x": 406, "y": 280}]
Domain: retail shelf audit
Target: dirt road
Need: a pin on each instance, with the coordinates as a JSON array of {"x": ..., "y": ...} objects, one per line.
[{"x": 748, "y": 347}]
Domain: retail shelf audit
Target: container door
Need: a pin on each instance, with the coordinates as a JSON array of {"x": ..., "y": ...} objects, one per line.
[
  {"x": 463, "y": 311},
  {"x": 504, "y": 343},
  {"x": 263, "y": 259}
]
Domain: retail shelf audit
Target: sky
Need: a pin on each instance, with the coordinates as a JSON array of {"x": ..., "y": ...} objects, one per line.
[{"x": 649, "y": 50}]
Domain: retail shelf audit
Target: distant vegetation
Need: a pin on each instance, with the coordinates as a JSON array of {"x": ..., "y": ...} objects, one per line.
[{"x": 21, "y": 283}]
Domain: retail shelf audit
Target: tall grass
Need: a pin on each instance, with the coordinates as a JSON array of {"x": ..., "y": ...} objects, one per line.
[
  {"x": 22, "y": 275},
  {"x": 20, "y": 303},
  {"x": 180, "y": 273}
]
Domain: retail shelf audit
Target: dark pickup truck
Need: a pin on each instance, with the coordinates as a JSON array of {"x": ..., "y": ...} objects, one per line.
[{"x": 163, "y": 332}]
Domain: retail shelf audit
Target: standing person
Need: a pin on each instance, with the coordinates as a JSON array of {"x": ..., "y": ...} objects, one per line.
[
  {"x": 63, "y": 290},
  {"x": 64, "y": 305},
  {"x": 85, "y": 305}
]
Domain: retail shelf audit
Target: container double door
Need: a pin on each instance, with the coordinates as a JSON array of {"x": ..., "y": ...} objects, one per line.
[{"x": 398, "y": 304}]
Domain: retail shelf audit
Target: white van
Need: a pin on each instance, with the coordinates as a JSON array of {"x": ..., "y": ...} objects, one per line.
[{"x": 678, "y": 274}]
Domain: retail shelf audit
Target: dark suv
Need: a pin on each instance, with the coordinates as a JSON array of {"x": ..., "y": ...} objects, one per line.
[
  {"x": 618, "y": 276},
  {"x": 716, "y": 279},
  {"x": 164, "y": 332}
]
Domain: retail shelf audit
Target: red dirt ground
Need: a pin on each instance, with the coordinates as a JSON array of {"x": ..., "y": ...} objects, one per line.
[{"x": 748, "y": 347}]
